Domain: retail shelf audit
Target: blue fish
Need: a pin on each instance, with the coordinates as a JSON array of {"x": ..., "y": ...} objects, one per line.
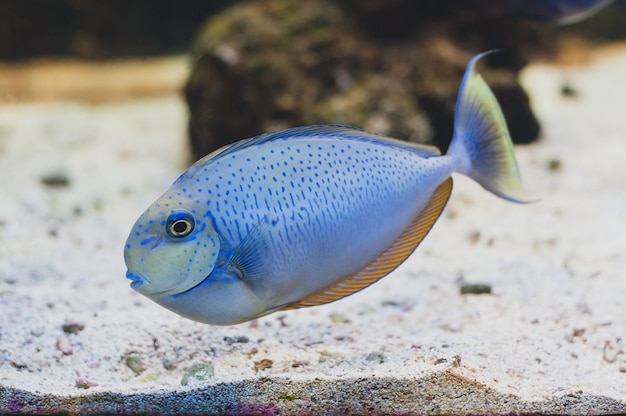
[
  {"x": 562, "y": 12},
  {"x": 308, "y": 215}
]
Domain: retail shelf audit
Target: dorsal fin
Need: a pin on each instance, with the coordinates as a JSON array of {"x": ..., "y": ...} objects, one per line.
[
  {"x": 323, "y": 131},
  {"x": 391, "y": 258},
  {"x": 327, "y": 131}
]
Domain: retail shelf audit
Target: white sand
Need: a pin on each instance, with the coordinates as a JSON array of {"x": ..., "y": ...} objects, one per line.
[{"x": 551, "y": 337}]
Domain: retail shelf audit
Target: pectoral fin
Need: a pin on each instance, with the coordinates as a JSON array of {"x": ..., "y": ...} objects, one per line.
[
  {"x": 391, "y": 258},
  {"x": 249, "y": 257}
]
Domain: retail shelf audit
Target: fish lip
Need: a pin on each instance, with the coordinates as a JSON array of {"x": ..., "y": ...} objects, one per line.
[{"x": 136, "y": 279}]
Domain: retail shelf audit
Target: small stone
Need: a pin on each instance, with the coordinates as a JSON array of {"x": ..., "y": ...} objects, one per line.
[
  {"x": 386, "y": 303},
  {"x": 456, "y": 361},
  {"x": 82, "y": 383},
  {"x": 569, "y": 91},
  {"x": 282, "y": 319},
  {"x": 331, "y": 354},
  {"x": 55, "y": 179},
  {"x": 64, "y": 345},
  {"x": 376, "y": 356},
  {"x": 451, "y": 327},
  {"x": 263, "y": 364},
  {"x": 344, "y": 338},
  {"x": 73, "y": 327},
  {"x": 474, "y": 238},
  {"x": 338, "y": 318},
  {"x": 19, "y": 366},
  {"x": 197, "y": 373},
  {"x": 475, "y": 288},
  {"x": 610, "y": 352},
  {"x": 169, "y": 362},
  {"x": 288, "y": 397},
  {"x": 135, "y": 363},
  {"x": 236, "y": 340},
  {"x": 36, "y": 332},
  {"x": 554, "y": 165},
  {"x": 404, "y": 305}
]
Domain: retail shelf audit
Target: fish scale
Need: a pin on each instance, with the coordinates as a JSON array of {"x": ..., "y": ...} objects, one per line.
[
  {"x": 298, "y": 178},
  {"x": 308, "y": 215}
]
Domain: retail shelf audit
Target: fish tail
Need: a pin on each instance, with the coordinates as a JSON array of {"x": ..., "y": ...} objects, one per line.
[{"x": 481, "y": 145}]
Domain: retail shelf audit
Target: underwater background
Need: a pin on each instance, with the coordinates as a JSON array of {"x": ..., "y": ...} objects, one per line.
[{"x": 503, "y": 309}]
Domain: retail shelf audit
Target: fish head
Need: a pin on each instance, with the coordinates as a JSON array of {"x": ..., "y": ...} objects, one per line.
[{"x": 171, "y": 248}]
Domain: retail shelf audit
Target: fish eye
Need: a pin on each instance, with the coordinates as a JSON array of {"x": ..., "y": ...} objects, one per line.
[{"x": 179, "y": 224}]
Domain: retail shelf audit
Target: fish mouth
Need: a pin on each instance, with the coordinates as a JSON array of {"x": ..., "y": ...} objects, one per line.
[
  {"x": 136, "y": 280},
  {"x": 144, "y": 286}
]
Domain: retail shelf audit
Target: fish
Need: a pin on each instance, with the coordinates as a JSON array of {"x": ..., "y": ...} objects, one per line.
[
  {"x": 560, "y": 12},
  {"x": 309, "y": 215},
  {"x": 557, "y": 12}
]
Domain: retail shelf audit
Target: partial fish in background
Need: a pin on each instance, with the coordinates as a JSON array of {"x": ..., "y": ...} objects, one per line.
[
  {"x": 563, "y": 12},
  {"x": 308, "y": 215}
]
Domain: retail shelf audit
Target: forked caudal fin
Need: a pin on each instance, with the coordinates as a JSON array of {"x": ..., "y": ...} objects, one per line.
[{"x": 481, "y": 144}]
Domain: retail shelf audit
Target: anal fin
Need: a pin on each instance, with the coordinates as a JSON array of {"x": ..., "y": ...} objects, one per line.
[{"x": 389, "y": 259}]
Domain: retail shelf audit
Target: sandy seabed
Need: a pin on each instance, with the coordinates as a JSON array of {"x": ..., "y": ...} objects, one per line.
[{"x": 551, "y": 337}]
